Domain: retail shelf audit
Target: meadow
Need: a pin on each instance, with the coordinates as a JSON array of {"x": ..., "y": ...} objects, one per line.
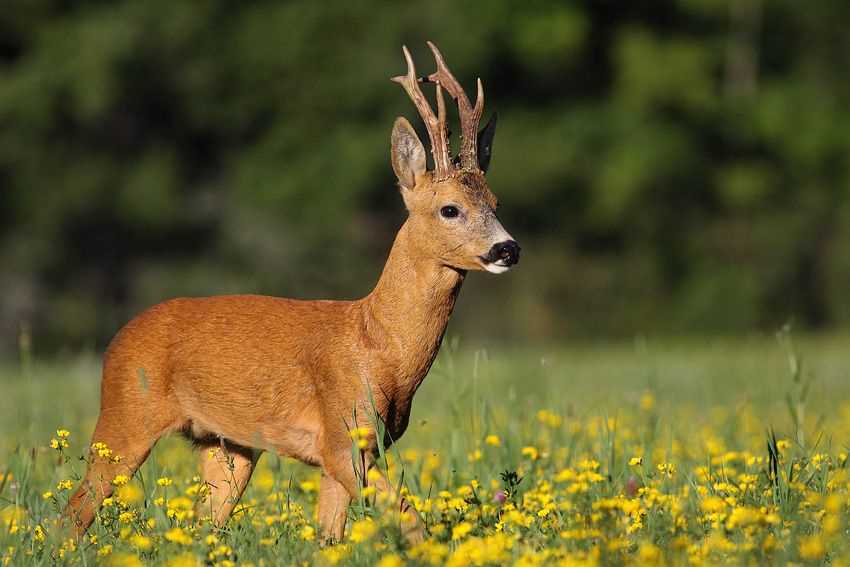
[{"x": 649, "y": 452}]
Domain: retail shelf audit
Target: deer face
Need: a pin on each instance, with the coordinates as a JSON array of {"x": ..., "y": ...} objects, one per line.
[
  {"x": 452, "y": 210},
  {"x": 452, "y": 220}
]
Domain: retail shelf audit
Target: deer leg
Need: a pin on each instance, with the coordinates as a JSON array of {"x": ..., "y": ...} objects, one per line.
[
  {"x": 334, "y": 499},
  {"x": 225, "y": 469},
  {"x": 344, "y": 472},
  {"x": 122, "y": 453}
]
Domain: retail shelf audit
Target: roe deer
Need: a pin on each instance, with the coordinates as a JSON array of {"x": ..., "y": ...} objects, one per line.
[{"x": 242, "y": 374}]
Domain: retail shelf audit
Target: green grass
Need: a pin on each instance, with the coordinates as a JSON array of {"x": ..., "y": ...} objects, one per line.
[{"x": 684, "y": 402}]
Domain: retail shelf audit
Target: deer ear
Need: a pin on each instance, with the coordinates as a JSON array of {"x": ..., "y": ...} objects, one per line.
[
  {"x": 408, "y": 153},
  {"x": 485, "y": 143}
]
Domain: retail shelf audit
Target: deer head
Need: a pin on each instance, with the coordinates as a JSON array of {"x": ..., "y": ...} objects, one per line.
[{"x": 452, "y": 210}]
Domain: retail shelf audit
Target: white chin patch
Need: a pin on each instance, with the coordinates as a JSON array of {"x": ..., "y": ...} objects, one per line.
[{"x": 496, "y": 268}]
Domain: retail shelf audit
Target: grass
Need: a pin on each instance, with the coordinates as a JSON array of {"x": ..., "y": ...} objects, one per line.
[{"x": 650, "y": 452}]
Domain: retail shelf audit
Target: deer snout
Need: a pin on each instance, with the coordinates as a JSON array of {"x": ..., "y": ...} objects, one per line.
[{"x": 502, "y": 256}]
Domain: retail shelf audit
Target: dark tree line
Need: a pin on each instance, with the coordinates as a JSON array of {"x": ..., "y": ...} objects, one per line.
[{"x": 677, "y": 166}]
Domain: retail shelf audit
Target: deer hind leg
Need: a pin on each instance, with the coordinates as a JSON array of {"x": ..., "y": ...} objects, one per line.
[
  {"x": 123, "y": 445},
  {"x": 225, "y": 469}
]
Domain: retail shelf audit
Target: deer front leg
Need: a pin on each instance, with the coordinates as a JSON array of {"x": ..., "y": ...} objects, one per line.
[
  {"x": 410, "y": 522},
  {"x": 334, "y": 499},
  {"x": 345, "y": 473}
]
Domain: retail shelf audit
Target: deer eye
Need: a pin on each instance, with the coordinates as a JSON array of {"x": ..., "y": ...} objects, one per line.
[{"x": 449, "y": 212}]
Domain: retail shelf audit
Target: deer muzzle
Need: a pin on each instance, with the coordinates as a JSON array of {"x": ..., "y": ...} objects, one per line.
[{"x": 501, "y": 256}]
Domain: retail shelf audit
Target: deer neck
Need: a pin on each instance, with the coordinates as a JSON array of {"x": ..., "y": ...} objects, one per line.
[{"x": 406, "y": 314}]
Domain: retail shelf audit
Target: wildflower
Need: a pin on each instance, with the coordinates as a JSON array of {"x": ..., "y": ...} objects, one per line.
[
  {"x": 429, "y": 551},
  {"x": 130, "y": 494},
  {"x": 308, "y": 486},
  {"x": 64, "y": 485},
  {"x": 164, "y": 481},
  {"x": 530, "y": 452},
  {"x": 360, "y": 436},
  {"x": 104, "y": 551},
  {"x": 812, "y": 548},
  {"x": 362, "y": 530},
  {"x": 140, "y": 542},
  {"x": 666, "y": 469},
  {"x": 647, "y": 402},
  {"x": 549, "y": 418},
  {"x": 47, "y": 495},
  {"x": 461, "y": 530},
  {"x": 335, "y": 554},
  {"x": 38, "y": 534},
  {"x": 391, "y": 560},
  {"x": 184, "y": 560},
  {"x": 493, "y": 440},
  {"x": 648, "y": 553},
  {"x": 177, "y": 535},
  {"x": 123, "y": 560},
  {"x": 120, "y": 480},
  {"x": 308, "y": 533},
  {"x": 636, "y": 461}
]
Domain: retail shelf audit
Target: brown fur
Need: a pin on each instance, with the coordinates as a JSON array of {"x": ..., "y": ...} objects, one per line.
[{"x": 246, "y": 373}]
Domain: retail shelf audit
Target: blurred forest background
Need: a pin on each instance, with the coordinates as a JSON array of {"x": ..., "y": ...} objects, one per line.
[{"x": 669, "y": 167}]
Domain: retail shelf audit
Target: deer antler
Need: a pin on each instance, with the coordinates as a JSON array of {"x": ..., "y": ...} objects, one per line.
[
  {"x": 436, "y": 125},
  {"x": 469, "y": 116}
]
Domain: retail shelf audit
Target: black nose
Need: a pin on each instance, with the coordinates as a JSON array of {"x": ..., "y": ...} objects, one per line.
[{"x": 507, "y": 252}]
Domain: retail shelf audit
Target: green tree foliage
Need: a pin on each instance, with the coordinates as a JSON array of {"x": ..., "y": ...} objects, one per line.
[{"x": 677, "y": 166}]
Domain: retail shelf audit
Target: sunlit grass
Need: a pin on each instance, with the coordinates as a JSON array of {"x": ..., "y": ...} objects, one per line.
[{"x": 643, "y": 453}]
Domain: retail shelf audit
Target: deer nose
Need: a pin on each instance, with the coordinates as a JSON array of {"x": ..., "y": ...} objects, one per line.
[{"x": 507, "y": 252}]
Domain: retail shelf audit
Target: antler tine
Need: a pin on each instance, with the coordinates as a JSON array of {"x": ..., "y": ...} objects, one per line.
[
  {"x": 469, "y": 116},
  {"x": 436, "y": 125}
]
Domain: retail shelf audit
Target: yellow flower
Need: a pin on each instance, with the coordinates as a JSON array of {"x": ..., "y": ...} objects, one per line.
[
  {"x": 164, "y": 481},
  {"x": 177, "y": 535},
  {"x": 647, "y": 402},
  {"x": 648, "y": 553},
  {"x": 391, "y": 560},
  {"x": 493, "y": 440},
  {"x": 140, "y": 542},
  {"x": 38, "y": 534},
  {"x": 123, "y": 560},
  {"x": 812, "y": 548},
  {"x": 184, "y": 560},
  {"x": 635, "y": 461},
  {"x": 63, "y": 433},
  {"x": 47, "y": 495},
  {"x": 429, "y": 551},
  {"x": 335, "y": 554},
  {"x": 362, "y": 530},
  {"x": 549, "y": 418},
  {"x": 308, "y": 533},
  {"x": 308, "y": 486},
  {"x": 461, "y": 530},
  {"x": 120, "y": 480},
  {"x": 130, "y": 494},
  {"x": 104, "y": 551},
  {"x": 64, "y": 485},
  {"x": 530, "y": 452}
]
